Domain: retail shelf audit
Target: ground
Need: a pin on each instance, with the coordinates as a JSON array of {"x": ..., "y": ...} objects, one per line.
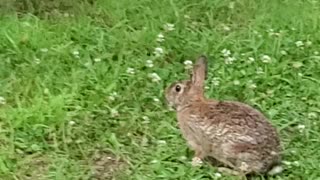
[{"x": 81, "y": 85}]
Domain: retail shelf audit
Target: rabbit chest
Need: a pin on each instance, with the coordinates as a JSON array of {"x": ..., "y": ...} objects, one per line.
[
  {"x": 191, "y": 130},
  {"x": 202, "y": 133}
]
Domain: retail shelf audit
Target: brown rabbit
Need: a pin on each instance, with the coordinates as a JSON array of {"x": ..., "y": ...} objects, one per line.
[{"x": 233, "y": 133}]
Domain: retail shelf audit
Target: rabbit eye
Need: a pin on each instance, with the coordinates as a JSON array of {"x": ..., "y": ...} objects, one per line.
[{"x": 178, "y": 88}]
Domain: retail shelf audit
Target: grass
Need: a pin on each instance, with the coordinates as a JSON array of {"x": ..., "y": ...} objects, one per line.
[{"x": 72, "y": 109}]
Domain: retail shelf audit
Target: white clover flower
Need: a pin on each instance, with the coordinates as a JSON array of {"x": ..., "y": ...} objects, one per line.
[
  {"x": 287, "y": 163},
  {"x": 114, "y": 94},
  {"x": 186, "y": 16},
  {"x": 158, "y": 51},
  {"x": 195, "y": 23},
  {"x": 229, "y": 60},
  {"x": 144, "y": 141},
  {"x": 217, "y": 175},
  {"x": 301, "y": 127},
  {"x": 215, "y": 81},
  {"x": 78, "y": 141},
  {"x": 259, "y": 70},
  {"x": 251, "y": 59},
  {"x": 182, "y": 158},
  {"x": 78, "y": 107},
  {"x": 97, "y": 59},
  {"x": 296, "y": 163},
  {"x": 252, "y": 86},
  {"x": 145, "y": 122},
  {"x": 114, "y": 113},
  {"x": 71, "y": 123},
  {"x": 265, "y": 59},
  {"x": 308, "y": 43},
  {"x": 226, "y": 52},
  {"x": 226, "y": 28},
  {"x": 270, "y": 91},
  {"x": 37, "y": 61},
  {"x": 297, "y": 65},
  {"x": 44, "y": 50},
  {"x": 146, "y": 118},
  {"x": 111, "y": 98},
  {"x": 156, "y": 100},
  {"x": 154, "y": 161},
  {"x": 2, "y": 100},
  {"x": 168, "y": 27},
  {"x": 231, "y": 5},
  {"x": 66, "y": 15},
  {"x": 155, "y": 77},
  {"x": 161, "y": 142},
  {"x": 75, "y": 53},
  {"x": 160, "y": 37},
  {"x": 299, "y": 43},
  {"x": 276, "y": 34},
  {"x": 46, "y": 91},
  {"x": 188, "y": 64},
  {"x": 304, "y": 98},
  {"x": 312, "y": 115},
  {"x": 149, "y": 63},
  {"x": 130, "y": 70},
  {"x": 293, "y": 151},
  {"x": 236, "y": 82},
  {"x": 26, "y": 24},
  {"x": 270, "y": 32},
  {"x": 283, "y": 52}
]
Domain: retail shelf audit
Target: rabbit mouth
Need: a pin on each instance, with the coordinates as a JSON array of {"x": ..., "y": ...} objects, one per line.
[{"x": 171, "y": 106}]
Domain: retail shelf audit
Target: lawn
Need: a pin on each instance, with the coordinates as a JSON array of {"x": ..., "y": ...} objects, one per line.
[{"x": 81, "y": 88}]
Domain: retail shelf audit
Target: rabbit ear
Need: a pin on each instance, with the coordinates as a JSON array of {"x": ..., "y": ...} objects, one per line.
[{"x": 199, "y": 72}]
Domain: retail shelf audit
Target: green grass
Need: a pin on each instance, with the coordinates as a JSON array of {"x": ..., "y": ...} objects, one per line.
[{"x": 62, "y": 120}]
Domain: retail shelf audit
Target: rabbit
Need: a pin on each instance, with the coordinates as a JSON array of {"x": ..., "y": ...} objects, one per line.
[{"x": 233, "y": 133}]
